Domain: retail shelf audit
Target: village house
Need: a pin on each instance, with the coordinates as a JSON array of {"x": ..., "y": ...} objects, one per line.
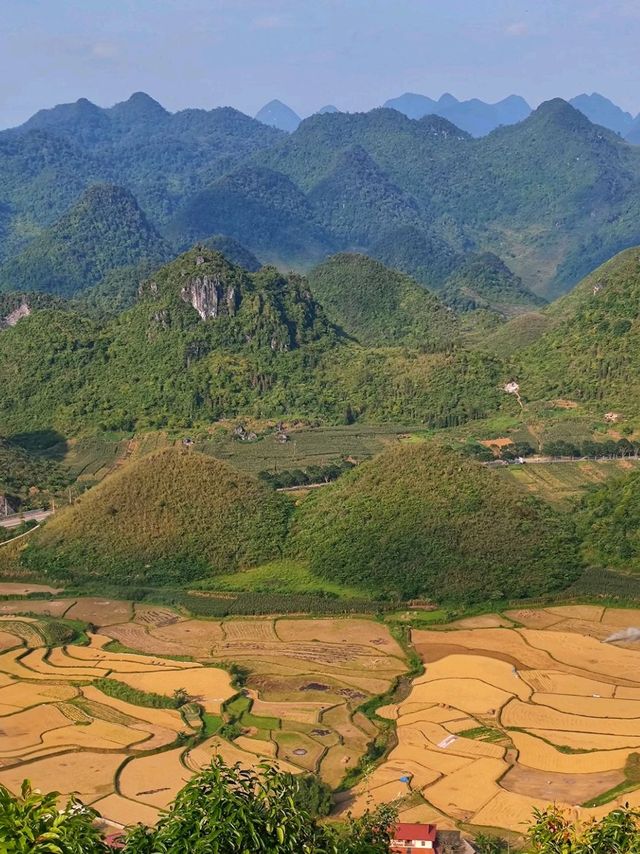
[{"x": 408, "y": 838}]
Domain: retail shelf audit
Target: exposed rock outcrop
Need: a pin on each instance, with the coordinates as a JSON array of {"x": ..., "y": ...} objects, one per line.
[
  {"x": 210, "y": 296},
  {"x": 23, "y": 310}
]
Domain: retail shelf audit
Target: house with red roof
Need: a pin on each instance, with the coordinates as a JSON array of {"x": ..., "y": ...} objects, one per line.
[{"x": 409, "y": 838}]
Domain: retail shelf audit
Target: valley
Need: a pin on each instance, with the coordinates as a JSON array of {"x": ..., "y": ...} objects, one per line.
[
  {"x": 146, "y": 697},
  {"x": 515, "y": 711},
  {"x": 125, "y": 700},
  {"x": 319, "y": 448}
]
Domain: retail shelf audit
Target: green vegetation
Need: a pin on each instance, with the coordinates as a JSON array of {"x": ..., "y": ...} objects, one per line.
[
  {"x": 233, "y": 251},
  {"x": 122, "y": 691},
  {"x": 379, "y": 306},
  {"x": 489, "y": 844},
  {"x": 33, "y": 823},
  {"x": 417, "y": 194},
  {"x": 208, "y": 340},
  {"x": 220, "y": 809},
  {"x": 484, "y": 281},
  {"x": 483, "y": 733},
  {"x": 312, "y": 795},
  {"x": 630, "y": 783},
  {"x": 281, "y": 577},
  {"x": 28, "y": 479},
  {"x": 421, "y": 521},
  {"x": 160, "y": 157},
  {"x": 356, "y": 200},
  {"x": 238, "y": 712},
  {"x": 610, "y": 523},
  {"x": 230, "y": 809},
  {"x": 556, "y": 832},
  {"x": 104, "y": 230},
  {"x": 590, "y": 351},
  {"x": 172, "y": 516},
  {"x": 562, "y": 484},
  {"x": 507, "y": 191},
  {"x": 303, "y": 477},
  {"x": 261, "y": 209}
]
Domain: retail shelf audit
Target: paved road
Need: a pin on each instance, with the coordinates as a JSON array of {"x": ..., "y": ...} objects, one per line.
[{"x": 18, "y": 518}]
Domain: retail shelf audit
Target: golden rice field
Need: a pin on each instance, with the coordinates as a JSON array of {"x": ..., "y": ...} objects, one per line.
[
  {"x": 306, "y": 679},
  {"x": 515, "y": 712}
]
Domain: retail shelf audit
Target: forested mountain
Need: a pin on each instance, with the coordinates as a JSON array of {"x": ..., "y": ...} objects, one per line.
[
  {"x": 484, "y": 281},
  {"x": 589, "y": 348},
  {"x": 103, "y": 231},
  {"x": 160, "y": 157},
  {"x": 41, "y": 176},
  {"x": 262, "y": 209},
  {"x": 551, "y": 218},
  {"x": 551, "y": 196},
  {"x": 207, "y": 340},
  {"x": 379, "y": 307},
  {"x": 356, "y": 200},
  {"x": 633, "y": 136}
]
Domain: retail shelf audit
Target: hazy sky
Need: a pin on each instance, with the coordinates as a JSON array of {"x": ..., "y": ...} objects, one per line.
[{"x": 352, "y": 53}]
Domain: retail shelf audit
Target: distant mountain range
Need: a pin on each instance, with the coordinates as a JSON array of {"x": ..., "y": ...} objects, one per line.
[
  {"x": 475, "y": 116},
  {"x": 537, "y": 204}
]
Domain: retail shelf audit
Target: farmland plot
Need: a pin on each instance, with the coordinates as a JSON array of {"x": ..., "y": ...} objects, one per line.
[
  {"x": 65, "y": 707},
  {"x": 515, "y": 718}
]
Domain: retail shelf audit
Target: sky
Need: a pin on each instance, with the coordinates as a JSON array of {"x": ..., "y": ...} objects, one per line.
[{"x": 352, "y": 53}]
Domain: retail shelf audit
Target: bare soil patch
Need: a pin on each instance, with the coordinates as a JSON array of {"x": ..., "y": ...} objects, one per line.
[{"x": 552, "y": 786}]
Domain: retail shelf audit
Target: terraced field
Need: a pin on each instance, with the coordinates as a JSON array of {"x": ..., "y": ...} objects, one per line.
[
  {"x": 100, "y": 718},
  {"x": 510, "y": 717},
  {"x": 561, "y": 483}
]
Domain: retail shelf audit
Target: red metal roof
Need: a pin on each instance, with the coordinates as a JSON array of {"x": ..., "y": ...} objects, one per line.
[{"x": 404, "y": 832}]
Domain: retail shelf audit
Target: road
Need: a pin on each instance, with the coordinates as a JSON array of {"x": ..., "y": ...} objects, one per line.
[{"x": 27, "y": 516}]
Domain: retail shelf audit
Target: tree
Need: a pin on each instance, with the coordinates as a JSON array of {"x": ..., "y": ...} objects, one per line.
[
  {"x": 488, "y": 844},
  {"x": 226, "y": 810},
  {"x": 312, "y": 795},
  {"x": 181, "y": 697},
  {"x": 33, "y": 823},
  {"x": 553, "y": 832}
]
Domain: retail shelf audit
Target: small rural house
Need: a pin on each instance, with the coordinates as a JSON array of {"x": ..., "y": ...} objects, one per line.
[{"x": 409, "y": 838}]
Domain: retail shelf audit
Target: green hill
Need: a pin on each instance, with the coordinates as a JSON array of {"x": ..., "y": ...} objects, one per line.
[
  {"x": 356, "y": 201},
  {"x": 104, "y": 230},
  {"x": 589, "y": 349},
  {"x": 420, "y": 253},
  {"x": 552, "y": 218},
  {"x": 261, "y": 209},
  {"x": 419, "y": 520},
  {"x": 172, "y": 516},
  {"x": 485, "y": 282},
  {"x": 609, "y": 523},
  {"x": 207, "y": 340},
  {"x": 379, "y": 307},
  {"x": 233, "y": 251}
]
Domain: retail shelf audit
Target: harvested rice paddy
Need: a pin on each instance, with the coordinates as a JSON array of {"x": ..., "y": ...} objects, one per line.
[
  {"x": 102, "y": 715},
  {"x": 506, "y": 718}
]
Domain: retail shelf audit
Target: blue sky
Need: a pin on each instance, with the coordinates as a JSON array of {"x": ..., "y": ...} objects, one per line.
[{"x": 352, "y": 53}]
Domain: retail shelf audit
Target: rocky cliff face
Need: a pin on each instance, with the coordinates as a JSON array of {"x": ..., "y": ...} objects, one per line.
[
  {"x": 10, "y": 319},
  {"x": 210, "y": 296}
]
